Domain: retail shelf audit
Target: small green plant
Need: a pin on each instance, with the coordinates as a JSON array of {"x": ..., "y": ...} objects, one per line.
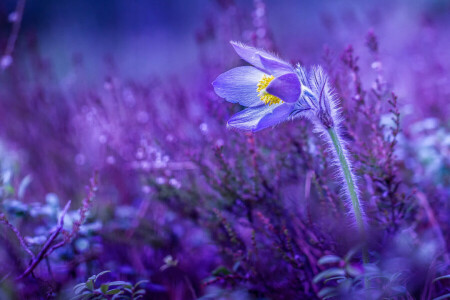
[
  {"x": 442, "y": 278},
  {"x": 108, "y": 290},
  {"x": 343, "y": 278}
]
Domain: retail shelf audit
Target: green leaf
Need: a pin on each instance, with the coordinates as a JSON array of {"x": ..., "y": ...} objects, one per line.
[
  {"x": 23, "y": 186},
  {"x": 380, "y": 277},
  {"x": 328, "y": 273},
  {"x": 329, "y": 259},
  {"x": 90, "y": 285},
  {"x": 446, "y": 296},
  {"x": 100, "y": 274},
  {"x": 352, "y": 271},
  {"x": 371, "y": 270},
  {"x": 399, "y": 289},
  {"x": 327, "y": 292},
  {"x": 113, "y": 292},
  {"x": 236, "y": 266},
  {"x": 208, "y": 279},
  {"x": 9, "y": 189},
  {"x": 351, "y": 253},
  {"x": 221, "y": 271},
  {"x": 140, "y": 282},
  {"x": 77, "y": 297},
  {"x": 84, "y": 295},
  {"x": 337, "y": 278},
  {"x": 79, "y": 287},
  {"x": 104, "y": 288},
  {"x": 395, "y": 276},
  {"x": 139, "y": 292},
  {"x": 442, "y": 277},
  {"x": 119, "y": 283},
  {"x": 345, "y": 285}
]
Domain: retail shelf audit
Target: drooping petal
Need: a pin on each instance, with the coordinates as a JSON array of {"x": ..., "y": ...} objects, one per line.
[
  {"x": 287, "y": 87},
  {"x": 278, "y": 115},
  {"x": 260, "y": 117},
  {"x": 275, "y": 67},
  {"x": 257, "y": 56},
  {"x": 239, "y": 85}
]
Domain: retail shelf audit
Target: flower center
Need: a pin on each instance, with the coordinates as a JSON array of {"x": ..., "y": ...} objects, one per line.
[{"x": 263, "y": 94}]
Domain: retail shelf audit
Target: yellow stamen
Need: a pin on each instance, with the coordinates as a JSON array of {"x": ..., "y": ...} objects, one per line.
[{"x": 263, "y": 94}]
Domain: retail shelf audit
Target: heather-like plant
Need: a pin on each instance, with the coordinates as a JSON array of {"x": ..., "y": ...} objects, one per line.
[
  {"x": 344, "y": 279},
  {"x": 108, "y": 290},
  {"x": 275, "y": 92},
  {"x": 206, "y": 212}
]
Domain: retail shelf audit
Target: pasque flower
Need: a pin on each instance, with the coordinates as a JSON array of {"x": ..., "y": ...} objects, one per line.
[
  {"x": 269, "y": 89},
  {"x": 274, "y": 91}
]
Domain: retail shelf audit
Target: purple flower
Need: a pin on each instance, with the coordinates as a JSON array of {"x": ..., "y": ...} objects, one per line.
[{"x": 269, "y": 89}]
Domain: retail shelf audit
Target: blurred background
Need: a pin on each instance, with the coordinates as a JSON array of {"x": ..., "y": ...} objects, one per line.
[
  {"x": 117, "y": 95},
  {"x": 159, "y": 37}
]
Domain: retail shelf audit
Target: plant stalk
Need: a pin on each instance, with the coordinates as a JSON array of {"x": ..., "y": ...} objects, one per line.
[{"x": 351, "y": 188}]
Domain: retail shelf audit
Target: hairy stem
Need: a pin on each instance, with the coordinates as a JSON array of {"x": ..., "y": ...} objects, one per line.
[{"x": 351, "y": 188}]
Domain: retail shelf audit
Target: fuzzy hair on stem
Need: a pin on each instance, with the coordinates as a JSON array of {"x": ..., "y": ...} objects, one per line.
[
  {"x": 327, "y": 119},
  {"x": 320, "y": 105},
  {"x": 324, "y": 112}
]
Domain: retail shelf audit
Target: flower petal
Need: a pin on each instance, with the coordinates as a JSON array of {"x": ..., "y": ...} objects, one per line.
[
  {"x": 278, "y": 115},
  {"x": 239, "y": 85},
  {"x": 287, "y": 87},
  {"x": 275, "y": 67},
  {"x": 261, "y": 59},
  {"x": 260, "y": 117}
]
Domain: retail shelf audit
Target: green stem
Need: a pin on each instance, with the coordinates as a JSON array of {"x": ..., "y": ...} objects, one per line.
[{"x": 351, "y": 188}]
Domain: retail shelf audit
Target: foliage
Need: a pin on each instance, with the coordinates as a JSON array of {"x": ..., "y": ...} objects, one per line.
[
  {"x": 108, "y": 290},
  {"x": 201, "y": 211}
]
